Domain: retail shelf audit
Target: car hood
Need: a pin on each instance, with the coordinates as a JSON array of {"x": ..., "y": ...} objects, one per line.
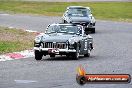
[
  {"x": 58, "y": 37},
  {"x": 80, "y": 19}
]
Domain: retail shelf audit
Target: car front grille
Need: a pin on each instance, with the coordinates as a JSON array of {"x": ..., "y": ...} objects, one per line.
[
  {"x": 81, "y": 23},
  {"x": 59, "y": 45}
]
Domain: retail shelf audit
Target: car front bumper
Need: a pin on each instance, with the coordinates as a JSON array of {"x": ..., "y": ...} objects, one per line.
[{"x": 55, "y": 51}]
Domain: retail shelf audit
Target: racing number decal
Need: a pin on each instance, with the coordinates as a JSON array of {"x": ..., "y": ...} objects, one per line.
[{"x": 85, "y": 45}]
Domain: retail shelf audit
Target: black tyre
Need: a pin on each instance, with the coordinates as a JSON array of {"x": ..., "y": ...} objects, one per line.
[
  {"x": 86, "y": 32},
  {"x": 93, "y": 30},
  {"x": 52, "y": 55},
  {"x": 38, "y": 55},
  {"x": 93, "y": 24},
  {"x": 87, "y": 54},
  {"x": 65, "y": 21},
  {"x": 76, "y": 54},
  {"x": 67, "y": 55}
]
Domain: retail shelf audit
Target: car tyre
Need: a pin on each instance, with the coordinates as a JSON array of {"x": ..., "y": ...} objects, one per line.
[
  {"x": 86, "y": 32},
  {"x": 65, "y": 21},
  {"x": 38, "y": 55},
  {"x": 93, "y": 30},
  {"x": 76, "y": 54},
  {"x": 87, "y": 54},
  {"x": 52, "y": 55},
  {"x": 67, "y": 55}
]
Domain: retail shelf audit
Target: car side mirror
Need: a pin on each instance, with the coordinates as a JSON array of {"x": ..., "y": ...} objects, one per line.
[
  {"x": 47, "y": 28},
  {"x": 65, "y": 15}
]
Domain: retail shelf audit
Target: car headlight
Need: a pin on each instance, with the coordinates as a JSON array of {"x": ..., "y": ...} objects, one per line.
[
  {"x": 71, "y": 41},
  {"x": 38, "y": 39},
  {"x": 72, "y": 44}
]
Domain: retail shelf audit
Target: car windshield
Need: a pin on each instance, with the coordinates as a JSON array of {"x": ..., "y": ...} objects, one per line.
[
  {"x": 66, "y": 29},
  {"x": 78, "y": 12}
]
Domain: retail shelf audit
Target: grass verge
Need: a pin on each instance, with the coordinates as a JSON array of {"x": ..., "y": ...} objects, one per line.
[
  {"x": 12, "y": 40},
  {"x": 119, "y": 11}
]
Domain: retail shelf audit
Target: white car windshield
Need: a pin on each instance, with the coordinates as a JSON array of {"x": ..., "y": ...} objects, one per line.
[
  {"x": 67, "y": 29},
  {"x": 78, "y": 12}
]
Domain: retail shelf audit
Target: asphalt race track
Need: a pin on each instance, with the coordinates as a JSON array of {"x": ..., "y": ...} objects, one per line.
[{"x": 112, "y": 54}]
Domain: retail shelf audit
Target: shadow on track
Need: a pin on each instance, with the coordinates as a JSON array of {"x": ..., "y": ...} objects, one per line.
[{"x": 64, "y": 58}]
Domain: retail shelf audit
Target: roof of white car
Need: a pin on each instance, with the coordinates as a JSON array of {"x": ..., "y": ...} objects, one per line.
[{"x": 78, "y": 7}]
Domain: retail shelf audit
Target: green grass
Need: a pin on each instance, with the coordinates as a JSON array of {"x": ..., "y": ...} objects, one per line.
[
  {"x": 119, "y": 11},
  {"x": 12, "y": 40},
  {"x": 8, "y": 46}
]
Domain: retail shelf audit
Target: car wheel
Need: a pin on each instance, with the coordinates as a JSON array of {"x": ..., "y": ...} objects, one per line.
[
  {"x": 65, "y": 21},
  {"x": 87, "y": 54},
  {"x": 76, "y": 54},
  {"x": 67, "y": 55},
  {"x": 86, "y": 32},
  {"x": 38, "y": 55},
  {"x": 93, "y": 24},
  {"x": 52, "y": 55},
  {"x": 93, "y": 30}
]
